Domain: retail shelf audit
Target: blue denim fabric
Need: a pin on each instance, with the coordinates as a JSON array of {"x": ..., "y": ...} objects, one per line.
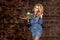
[{"x": 35, "y": 28}]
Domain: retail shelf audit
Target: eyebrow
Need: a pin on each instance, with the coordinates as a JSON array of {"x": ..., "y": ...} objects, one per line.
[{"x": 35, "y": 7}]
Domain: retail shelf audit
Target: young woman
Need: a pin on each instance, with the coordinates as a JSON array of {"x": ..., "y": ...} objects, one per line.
[{"x": 36, "y": 21}]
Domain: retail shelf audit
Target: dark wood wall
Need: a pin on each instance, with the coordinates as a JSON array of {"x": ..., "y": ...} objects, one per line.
[
  {"x": 51, "y": 19},
  {"x": 13, "y": 28}
]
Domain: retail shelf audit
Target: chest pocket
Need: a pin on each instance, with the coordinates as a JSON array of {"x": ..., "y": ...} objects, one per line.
[{"x": 34, "y": 20}]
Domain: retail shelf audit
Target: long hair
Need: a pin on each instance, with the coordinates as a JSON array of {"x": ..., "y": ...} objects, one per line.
[{"x": 40, "y": 10}]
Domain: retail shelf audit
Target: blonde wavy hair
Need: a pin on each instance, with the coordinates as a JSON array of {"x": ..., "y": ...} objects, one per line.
[{"x": 40, "y": 8}]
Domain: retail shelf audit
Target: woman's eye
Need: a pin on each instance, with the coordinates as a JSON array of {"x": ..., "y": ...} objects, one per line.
[{"x": 36, "y": 7}]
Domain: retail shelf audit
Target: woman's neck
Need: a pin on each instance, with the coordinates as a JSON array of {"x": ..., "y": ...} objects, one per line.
[{"x": 35, "y": 13}]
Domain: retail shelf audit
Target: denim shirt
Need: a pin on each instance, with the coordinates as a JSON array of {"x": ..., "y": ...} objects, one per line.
[{"x": 35, "y": 20}]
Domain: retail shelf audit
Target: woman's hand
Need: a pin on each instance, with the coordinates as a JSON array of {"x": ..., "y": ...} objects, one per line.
[
  {"x": 41, "y": 15},
  {"x": 28, "y": 19}
]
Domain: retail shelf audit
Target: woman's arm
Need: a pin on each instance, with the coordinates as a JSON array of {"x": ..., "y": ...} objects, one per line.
[
  {"x": 24, "y": 18},
  {"x": 41, "y": 19}
]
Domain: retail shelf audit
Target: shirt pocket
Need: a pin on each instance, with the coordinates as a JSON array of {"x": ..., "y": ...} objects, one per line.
[{"x": 34, "y": 20}]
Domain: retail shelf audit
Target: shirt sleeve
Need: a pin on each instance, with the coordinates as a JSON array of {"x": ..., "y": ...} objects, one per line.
[{"x": 40, "y": 21}]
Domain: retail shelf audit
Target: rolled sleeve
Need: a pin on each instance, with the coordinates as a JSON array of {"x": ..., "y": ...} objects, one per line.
[{"x": 40, "y": 21}]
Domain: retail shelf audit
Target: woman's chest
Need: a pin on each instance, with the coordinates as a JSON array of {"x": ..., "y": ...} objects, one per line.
[{"x": 34, "y": 19}]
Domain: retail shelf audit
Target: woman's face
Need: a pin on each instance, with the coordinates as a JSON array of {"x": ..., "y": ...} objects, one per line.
[{"x": 35, "y": 8}]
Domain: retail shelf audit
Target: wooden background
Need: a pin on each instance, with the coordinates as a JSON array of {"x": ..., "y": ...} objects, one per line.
[{"x": 13, "y": 28}]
